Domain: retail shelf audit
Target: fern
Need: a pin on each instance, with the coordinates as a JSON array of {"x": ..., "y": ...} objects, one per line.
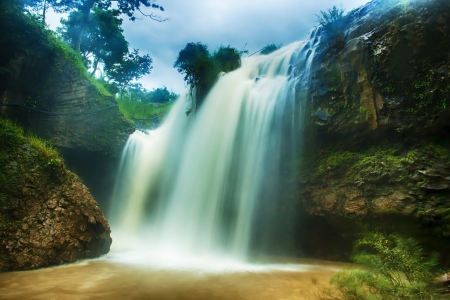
[{"x": 394, "y": 267}]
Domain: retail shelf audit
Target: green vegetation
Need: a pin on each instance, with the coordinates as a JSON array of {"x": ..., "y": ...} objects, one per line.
[
  {"x": 138, "y": 103},
  {"x": 21, "y": 154},
  {"x": 84, "y": 9},
  {"x": 102, "y": 39},
  {"x": 369, "y": 161},
  {"x": 24, "y": 34},
  {"x": 269, "y": 49},
  {"x": 103, "y": 43},
  {"x": 132, "y": 110},
  {"x": 393, "y": 267},
  {"x": 332, "y": 20},
  {"x": 201, "y": 68}
]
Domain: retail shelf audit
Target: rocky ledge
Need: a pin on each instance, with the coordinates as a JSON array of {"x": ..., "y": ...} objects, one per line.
[
  {"x": 376, "y": 153},
  {"x": 47, "y": 216}
]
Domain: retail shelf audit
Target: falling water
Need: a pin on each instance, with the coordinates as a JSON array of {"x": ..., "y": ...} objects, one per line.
[{"x": 194, "y": 186}]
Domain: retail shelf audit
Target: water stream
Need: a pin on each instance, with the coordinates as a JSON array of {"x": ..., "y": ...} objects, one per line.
[
  {"x": 194, "y": 199},
  {"x": 194, "y": 188}
]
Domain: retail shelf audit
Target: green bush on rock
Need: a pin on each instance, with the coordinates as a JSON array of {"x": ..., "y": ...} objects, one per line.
[{"x": 393, "y": 267}]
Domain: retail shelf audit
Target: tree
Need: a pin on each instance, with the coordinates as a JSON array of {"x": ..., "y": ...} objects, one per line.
[
  {"x": 161, "y": 95},
  {"x": 269, "y": 49},
  {"x": 227, "y": 59},
  {"x": 193, "y": 61},
  {"x": 85, "y": 7},
  {"x": 37, "y": 6},
  {"x": 128, "y": 7},
  {"x": 102, "y": 40},
  {"x": 200, "y": 68},
  {"x": 332, "y": 20},
  {"x": 131, "y": 67}
]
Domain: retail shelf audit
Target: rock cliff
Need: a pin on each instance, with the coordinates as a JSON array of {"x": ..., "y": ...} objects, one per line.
[
  {"x": 47, "y": 216},
  {"x": 45, "y": 87},
  {"x": 376, "y": 154},
  {"x": 76, "y": 112}
]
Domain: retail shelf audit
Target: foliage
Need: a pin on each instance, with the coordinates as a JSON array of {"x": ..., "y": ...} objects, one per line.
[
  {"x": 22, "y": 34},
  {"x": 194, "y": 61},
  {"x": 133, "y": 110},
  {"x": 226, "y": 59},
  {"x": 102, "y": 40},
  {"x": 394, "y": 268},
  {"x": 85, "y": 7},
  {"x": 332, "y": 19},
  {"x": 132, "y": 67},
  {"x": 44, "y": 147},
  {"x": 139, "y": 104},
  {"x": 200, "y": 68},
  {"x": 105, "y": 88},
  {"x": 269, "y": 49},
  {"x": 370, "y": 160},
  {"x": 161, "y": 95},
  {"x": 136, "y": 92}
]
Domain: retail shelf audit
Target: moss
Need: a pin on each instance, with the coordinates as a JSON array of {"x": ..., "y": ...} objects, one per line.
[
  {"x": 339, "y": 159},
  {"x": 98, "y": 83},
  {"x": 139, "y": 110},
  {"x": 22, "y": 156}
]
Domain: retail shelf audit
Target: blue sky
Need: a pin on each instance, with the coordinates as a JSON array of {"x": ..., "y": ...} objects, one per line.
[{"x": 248, "y": 24}]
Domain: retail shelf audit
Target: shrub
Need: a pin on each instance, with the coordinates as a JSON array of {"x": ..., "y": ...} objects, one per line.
[
  {"x": 393, "y": 267},
  {"x": 331, "y": 19},
  {"x": 269, "y": 49}
]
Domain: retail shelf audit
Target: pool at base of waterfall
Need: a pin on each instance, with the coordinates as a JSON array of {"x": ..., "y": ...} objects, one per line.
[{"x": 108, "y": 278}]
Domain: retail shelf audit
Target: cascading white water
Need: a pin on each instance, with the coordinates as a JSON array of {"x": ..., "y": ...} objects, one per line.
[{"x": 191, "y": 187}]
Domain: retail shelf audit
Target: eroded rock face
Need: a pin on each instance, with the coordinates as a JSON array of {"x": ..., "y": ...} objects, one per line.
[
  {"x": 58, "y": 87},
  {"x": 375, "y": 154},
  {"x": 47, "y": 216},
  {"x": 60, "y": 224},
  {"x": 388, "y": 71}
]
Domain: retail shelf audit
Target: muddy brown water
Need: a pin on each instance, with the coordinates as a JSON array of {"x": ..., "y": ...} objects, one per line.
[{"x": 105, "y": 279}]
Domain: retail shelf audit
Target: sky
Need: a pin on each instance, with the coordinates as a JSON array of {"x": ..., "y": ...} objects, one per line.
[{"x": 242, "y": 24}]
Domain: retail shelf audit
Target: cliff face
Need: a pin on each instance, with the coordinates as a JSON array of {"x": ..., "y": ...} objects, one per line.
[
  {"x": 377, "y": 156},
  {"x": 47, "y": 216},
  {"x": 68, "y": 95},
  {"x": 65, "y": 105}
]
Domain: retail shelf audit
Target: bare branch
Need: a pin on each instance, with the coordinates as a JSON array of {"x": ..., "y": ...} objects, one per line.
[{"x": 153, "y": 17}]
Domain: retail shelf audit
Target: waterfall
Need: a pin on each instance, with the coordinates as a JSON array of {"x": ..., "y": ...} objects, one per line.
[{"x": 198, "y": 185}]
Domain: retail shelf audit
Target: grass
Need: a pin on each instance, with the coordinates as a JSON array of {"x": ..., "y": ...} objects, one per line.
[
  {"x": 13, "y": 137},
  {"x": 99, "y": 85},
  {"x": 139, "y": 110}
]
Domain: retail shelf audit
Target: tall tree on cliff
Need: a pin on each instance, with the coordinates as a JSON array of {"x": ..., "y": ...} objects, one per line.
[
  {"x": 128, "y": 7},
  {"x": 102, "y": 41},
  {"x": 131, "y": 67},
  {"x": 40, "y": 7},
  {"x": 85, "y": 8},
  {"x": 201, "y": 69}
]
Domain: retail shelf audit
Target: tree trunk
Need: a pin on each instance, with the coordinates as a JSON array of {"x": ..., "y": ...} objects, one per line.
[
  {"x": 95, "y": 66},
  {"x": 44, "y": 10},
  {"x": 86, "y": 11}
]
